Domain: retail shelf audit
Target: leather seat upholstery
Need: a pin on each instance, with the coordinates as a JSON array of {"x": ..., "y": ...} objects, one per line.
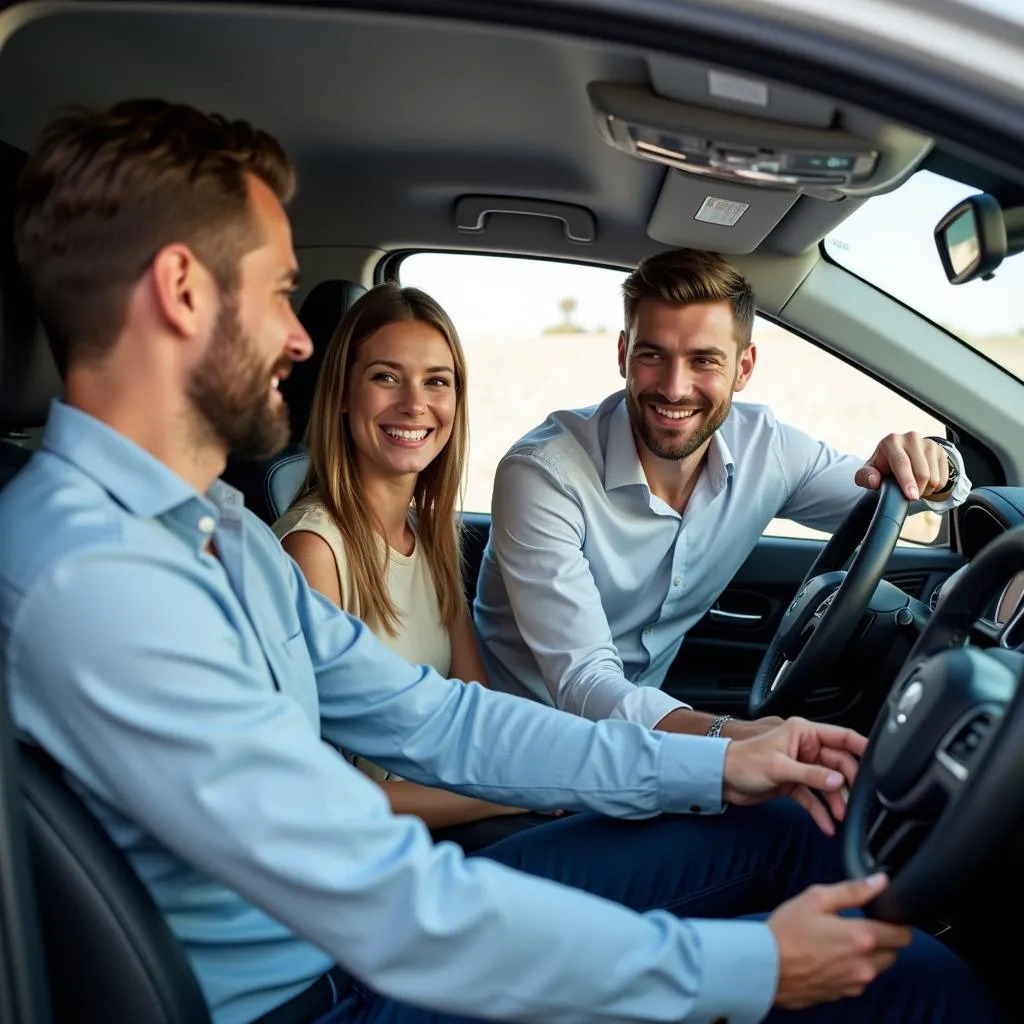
[{"x": 110, "y": 955}]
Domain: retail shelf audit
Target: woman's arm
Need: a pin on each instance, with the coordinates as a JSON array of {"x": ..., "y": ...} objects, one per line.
[
  {"x": 437, "y": 807},
  {"x": 467, "y": 664},
  {"x": 317, "y": 562}
]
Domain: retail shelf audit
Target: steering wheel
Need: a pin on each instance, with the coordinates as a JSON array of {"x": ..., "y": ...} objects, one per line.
[
  {"x": 829, "y": 604},
  {"x": 939, "y": 786}
]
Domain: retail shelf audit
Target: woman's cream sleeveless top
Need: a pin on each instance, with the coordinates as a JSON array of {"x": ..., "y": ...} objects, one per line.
[{"x": 422, "y": 637}]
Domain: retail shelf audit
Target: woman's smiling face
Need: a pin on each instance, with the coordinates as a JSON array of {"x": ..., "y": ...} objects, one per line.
[{"x": 400, "y": 398}]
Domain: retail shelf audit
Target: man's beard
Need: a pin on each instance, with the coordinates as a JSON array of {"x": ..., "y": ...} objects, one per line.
[
  {"x": 670, "y": 448},
  {"x": 230, "y": 392}
]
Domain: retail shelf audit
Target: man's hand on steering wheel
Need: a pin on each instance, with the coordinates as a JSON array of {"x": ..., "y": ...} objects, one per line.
[
  {"x": 919, "y": 464},
  {"x": 792, "y": 760}
]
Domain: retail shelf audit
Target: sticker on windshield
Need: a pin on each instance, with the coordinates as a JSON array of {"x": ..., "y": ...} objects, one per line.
[{"x": 720, "y": 211}]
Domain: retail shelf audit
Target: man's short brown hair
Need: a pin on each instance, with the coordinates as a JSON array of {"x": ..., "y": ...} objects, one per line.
[
  {"x": 688, "y": 276},
  {"x": 105, "y": 191}
]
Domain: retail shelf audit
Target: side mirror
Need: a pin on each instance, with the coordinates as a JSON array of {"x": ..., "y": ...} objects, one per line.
[{"x": 972, "y": 239}]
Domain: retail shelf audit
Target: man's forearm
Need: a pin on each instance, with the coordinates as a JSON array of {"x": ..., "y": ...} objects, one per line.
[{"x": 688, "y": 722}]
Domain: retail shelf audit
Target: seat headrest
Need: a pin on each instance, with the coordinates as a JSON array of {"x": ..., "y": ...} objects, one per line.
[
  {"x": 283, "y": 480},
  {"x": 323, "y": 308},
  {"x": 28, "y": 374}
]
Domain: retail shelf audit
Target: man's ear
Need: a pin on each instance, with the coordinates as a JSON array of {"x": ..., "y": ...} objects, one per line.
[
  {"x": 184, "y": 291},
  {"x": 745, "y": 367},
  {"x": 623, "y": 348}
]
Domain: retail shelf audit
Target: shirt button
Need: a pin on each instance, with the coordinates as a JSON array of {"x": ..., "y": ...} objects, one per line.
[
  {"x": 678, "y": 581},
  {"x": 206, "y": 524},
  {"x": 647, "y": 630},
  {"x": 696, "y": 809}
]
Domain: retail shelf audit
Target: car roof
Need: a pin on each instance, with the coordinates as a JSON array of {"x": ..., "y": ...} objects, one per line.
[{"x": 392, "y": 119}]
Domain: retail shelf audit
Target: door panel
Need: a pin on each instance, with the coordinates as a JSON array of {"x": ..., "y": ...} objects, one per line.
[{"x": 716, "y": 664}]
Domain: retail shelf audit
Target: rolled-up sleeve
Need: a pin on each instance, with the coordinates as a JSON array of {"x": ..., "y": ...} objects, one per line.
[
  {"x": 155, "y": 711},
  {"x": 537, "y": 532}
]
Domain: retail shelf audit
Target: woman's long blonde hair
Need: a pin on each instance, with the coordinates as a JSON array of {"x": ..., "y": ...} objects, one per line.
[{"x": 332, "y": 477}]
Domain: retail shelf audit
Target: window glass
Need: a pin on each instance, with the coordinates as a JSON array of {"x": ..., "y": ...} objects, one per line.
[
  {"x": 889, "y": 242},
  {"x": 541, "y": 336}
]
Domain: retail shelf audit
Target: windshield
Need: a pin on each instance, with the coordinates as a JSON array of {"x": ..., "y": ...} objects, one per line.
[{"x": 889, "y": 242}]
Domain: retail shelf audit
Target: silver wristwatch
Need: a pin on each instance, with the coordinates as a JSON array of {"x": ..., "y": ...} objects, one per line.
[
  {"x": 954, "y": 472},
  {"x": 715, "y": 728}
]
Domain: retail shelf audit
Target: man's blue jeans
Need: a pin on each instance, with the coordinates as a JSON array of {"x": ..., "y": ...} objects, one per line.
[{"x": 744, "y": 862}]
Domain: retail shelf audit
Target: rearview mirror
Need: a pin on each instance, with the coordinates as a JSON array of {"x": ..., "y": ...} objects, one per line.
[{"x": 971, "y": 239}]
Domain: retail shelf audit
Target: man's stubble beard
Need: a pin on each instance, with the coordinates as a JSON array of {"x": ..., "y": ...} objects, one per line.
[
  {"x": 667, "y": 450},
  {"x": 230, "y": 392}
]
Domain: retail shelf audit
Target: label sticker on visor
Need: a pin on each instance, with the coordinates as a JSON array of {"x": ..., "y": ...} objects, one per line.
[{"x": 720, "y": 211}]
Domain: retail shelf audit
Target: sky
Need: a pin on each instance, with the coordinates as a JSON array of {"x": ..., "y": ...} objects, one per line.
[
  {"x": 473, "y": 289},
  {"x": 1012, "y": 9},
  {"x": 888, "y": 241}
]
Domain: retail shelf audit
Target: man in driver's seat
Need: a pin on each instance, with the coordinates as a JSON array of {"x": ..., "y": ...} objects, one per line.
[
  {"x": 645, "y": 506},
  {"x": 196, "y": 678}
]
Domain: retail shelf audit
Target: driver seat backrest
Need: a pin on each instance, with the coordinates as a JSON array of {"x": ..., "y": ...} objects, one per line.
[
  {"x": 269, "y": 486},
  {"x": 110, "y": 955}
]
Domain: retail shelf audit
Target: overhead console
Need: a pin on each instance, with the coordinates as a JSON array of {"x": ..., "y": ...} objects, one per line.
[
  {"x": 733, "y": 147},
  {"x": 745, "y": 154}
]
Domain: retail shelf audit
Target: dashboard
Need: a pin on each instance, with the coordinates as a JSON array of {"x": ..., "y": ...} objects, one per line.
[{"x": 988, "y": 513}]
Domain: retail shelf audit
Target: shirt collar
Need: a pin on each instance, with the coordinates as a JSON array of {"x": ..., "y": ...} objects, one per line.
[
  {"x": 719, "y": 465},
  {"x": 132, "y": 476},
  {"x": 622, "y": 463}
]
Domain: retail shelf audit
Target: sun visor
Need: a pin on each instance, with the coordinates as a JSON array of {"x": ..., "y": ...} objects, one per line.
[{"x": 702, "y": 213}]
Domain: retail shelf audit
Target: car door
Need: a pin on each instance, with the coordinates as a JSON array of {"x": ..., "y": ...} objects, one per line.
[{"x": 721, "y": 654}]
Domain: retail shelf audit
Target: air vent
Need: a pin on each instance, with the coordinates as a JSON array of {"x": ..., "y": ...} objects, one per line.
[{"x": 910, "y": 581}]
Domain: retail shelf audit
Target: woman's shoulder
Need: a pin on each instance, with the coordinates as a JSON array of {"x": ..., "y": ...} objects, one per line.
[{"x": 307, "y": 514}]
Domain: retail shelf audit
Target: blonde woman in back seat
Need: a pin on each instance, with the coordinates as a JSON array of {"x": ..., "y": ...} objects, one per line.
[{"x": 374, "y": 526}]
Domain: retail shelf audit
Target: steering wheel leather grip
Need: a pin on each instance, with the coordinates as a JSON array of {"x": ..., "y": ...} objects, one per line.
[
  {"x": 939, "y": 786},
  {"x": 829, "y": 603}
]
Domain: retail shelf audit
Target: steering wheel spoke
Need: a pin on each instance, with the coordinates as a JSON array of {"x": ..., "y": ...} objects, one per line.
[
  {"x": 892, "y": 840},
  {"x": 781, "y": 674},
  {"x": 962, "y": 747}
]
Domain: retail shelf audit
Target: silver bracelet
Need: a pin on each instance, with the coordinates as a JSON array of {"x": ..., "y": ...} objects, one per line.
[{"x": 715, "y": 728}]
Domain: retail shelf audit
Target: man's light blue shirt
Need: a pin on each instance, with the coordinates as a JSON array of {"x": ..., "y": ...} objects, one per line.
[
  {"x": 188, "y": 697},
  {"x": 589, "y": 582}
]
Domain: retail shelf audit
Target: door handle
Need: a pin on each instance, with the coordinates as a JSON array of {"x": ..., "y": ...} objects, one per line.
[{"x": 736, "y": 618}]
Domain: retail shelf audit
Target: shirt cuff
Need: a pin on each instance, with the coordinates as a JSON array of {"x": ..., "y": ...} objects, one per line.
[
  {"x": 959, "y": 493},
  {"x": 740, "y": 971},
  {"x": 691, "y": 773},
  {"x": 646, "y": 705}
]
